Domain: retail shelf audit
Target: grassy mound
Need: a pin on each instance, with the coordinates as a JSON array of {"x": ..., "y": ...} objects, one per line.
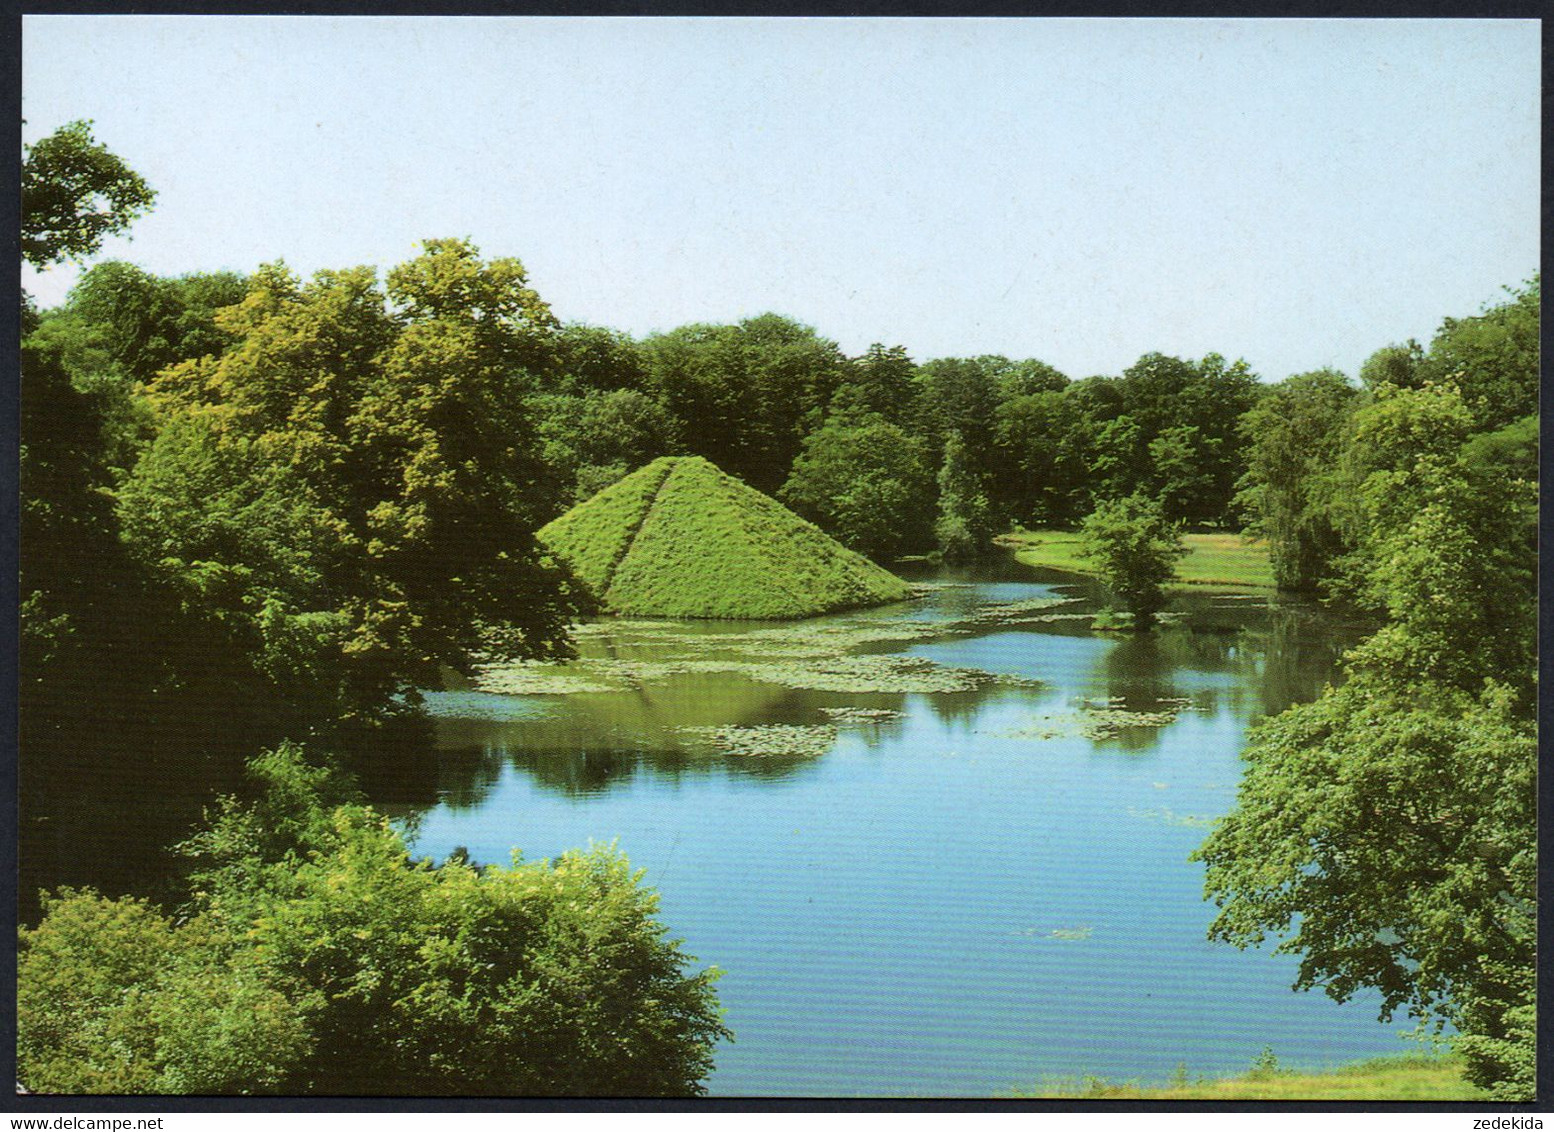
[{"x": 679, "y": 538}]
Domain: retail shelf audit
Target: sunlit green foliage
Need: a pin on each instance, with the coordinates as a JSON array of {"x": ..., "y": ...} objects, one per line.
[
  {"x": 1385, "y": 833},
  {"x": 710, "y": 546},
  {"x": 1295, "y": 435},
  {"x": 362, "y": 480},
  {"x": 1492, "y": 358},
  {"x": 863, "y": 480},
  {"x": 1220, "y": 561},
  {"x": 315, "y": 956},
  {"x": 1388, "y": 830},
  {"x": 1134, "y": 548},
  {"x": 75, "y": 192}
]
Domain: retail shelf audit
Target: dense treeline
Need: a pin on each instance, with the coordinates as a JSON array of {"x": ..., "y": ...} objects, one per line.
[
  {"x": 1386, "y": 833},
  {"x": 265, "y": 509}
]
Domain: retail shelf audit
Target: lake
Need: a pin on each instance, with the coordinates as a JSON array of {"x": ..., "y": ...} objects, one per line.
[{"x": 938, "y": 849}]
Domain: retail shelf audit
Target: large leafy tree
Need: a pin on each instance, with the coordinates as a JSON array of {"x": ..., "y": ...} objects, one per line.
[
  {"x": 1384, "y": 834},
  {"x": 864, "y": 481},
  {"x": 1387, "y": 831},
  {"x": 1185, "y": 448},
  {"x": 592, "y": 440},
  {"x": 1134, "y": 548},
  {"x": 75, "y": 193},
  {"x": 744, "y": 396},
  {"x": 1295, "y": 434},
  {"x": 1042, "y": 477},
  {"x": 351, "y": 488}
]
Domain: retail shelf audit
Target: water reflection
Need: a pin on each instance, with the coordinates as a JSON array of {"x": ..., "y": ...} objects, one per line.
[
  {"x": 1221, "y": 654},
  {"x": 1037, "y": 818}
]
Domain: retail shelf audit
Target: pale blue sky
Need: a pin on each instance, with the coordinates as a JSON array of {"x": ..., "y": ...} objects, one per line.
[{"x": 1298, "y": 193}]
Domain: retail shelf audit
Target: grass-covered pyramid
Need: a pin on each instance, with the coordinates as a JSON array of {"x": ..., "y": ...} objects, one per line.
[{"x": 679, "y": 538}]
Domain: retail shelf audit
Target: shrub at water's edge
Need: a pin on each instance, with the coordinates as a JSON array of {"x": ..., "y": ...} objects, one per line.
[
  {"x": 679, "y": 538},
  {"x": 315, "y": 956}
]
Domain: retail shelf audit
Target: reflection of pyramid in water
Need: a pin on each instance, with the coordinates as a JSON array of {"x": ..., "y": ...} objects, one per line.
[{"x": 679, "y": 538}]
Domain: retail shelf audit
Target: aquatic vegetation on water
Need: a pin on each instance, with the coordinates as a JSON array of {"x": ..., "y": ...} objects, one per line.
[
  {"x": 534, "y": 678},
  {"x": 1082, "y": 931},
  {"x": 1091, "y": 723},
  {"x": 1015, "y": 612},
  {"x": 861, "y": 714},
  {"x": 483, "y": 705},
  {"x": 773, "y": 740},
  {"x": 811, "y": 656},
  {"x": 1191, "y": 821},
  {"x": 880, "y": 673}
]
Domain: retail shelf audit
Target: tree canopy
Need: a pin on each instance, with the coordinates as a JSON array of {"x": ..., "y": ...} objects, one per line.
[
  {"x": 1134, "y": 548},
  {"x": 76, "y": 192},
  {"x": 315, "y": 955},
  {"x": 364, "y": 480},
  {"x": 864, "y": 480},
  {"x": 1386, "y": 833}
]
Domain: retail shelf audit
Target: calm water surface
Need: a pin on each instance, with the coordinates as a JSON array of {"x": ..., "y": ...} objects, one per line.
[{"x": 964, "y": 896}]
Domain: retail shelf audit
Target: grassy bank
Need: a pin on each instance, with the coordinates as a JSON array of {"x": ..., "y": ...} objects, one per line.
[
  {"x": 1412, "y": 1078},
  {"x": 1212, "y": 560}
]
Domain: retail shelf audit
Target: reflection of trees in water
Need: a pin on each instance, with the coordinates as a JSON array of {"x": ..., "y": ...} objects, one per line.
[
  {"x": 465, "y": 776},
  {"x": 1242, "y": 657},
  {"x": 595, "y": 742},
  {"x": 1137, "y": 672},
  {"x": 1303, "y": 646},
  {"x": 1274, "y": 654},
  {"x": 963, "y": 708}
]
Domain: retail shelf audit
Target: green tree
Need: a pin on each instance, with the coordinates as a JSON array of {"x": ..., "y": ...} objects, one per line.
[
  {"x": 959, "y": 397},
  {"x": 880, "y": 382},
  {"x": 863, "y": 480},
  {"x": 1491, "y": 358},
  {"x": 1385, "y": 834},
  {"x": 1023, "y": 378},
  {"x": 592, "y": 440},
  {"x": 1393, "y": 365},
  {"x": 1294, "y": 437},
  {"x": 1135, "y": 549},
  {"x": 363, "y": 483},
  {"x": 147, "y": 323},
  {"x": 315, "y": 955},
  {"x": 744, "y": 396},
  {"x": 75, "y": 193},
  {"x": 964, "y": 528},
  {"x": 1042, "y": 477},
  {"x": 596, "y": 358},
  {"x": 1387, "y": 831}
]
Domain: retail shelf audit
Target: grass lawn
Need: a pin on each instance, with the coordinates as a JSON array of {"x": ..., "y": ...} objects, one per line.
[
  {"x": 1414, "y": 1078},
  {"x": 1212, "y": 560}
]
